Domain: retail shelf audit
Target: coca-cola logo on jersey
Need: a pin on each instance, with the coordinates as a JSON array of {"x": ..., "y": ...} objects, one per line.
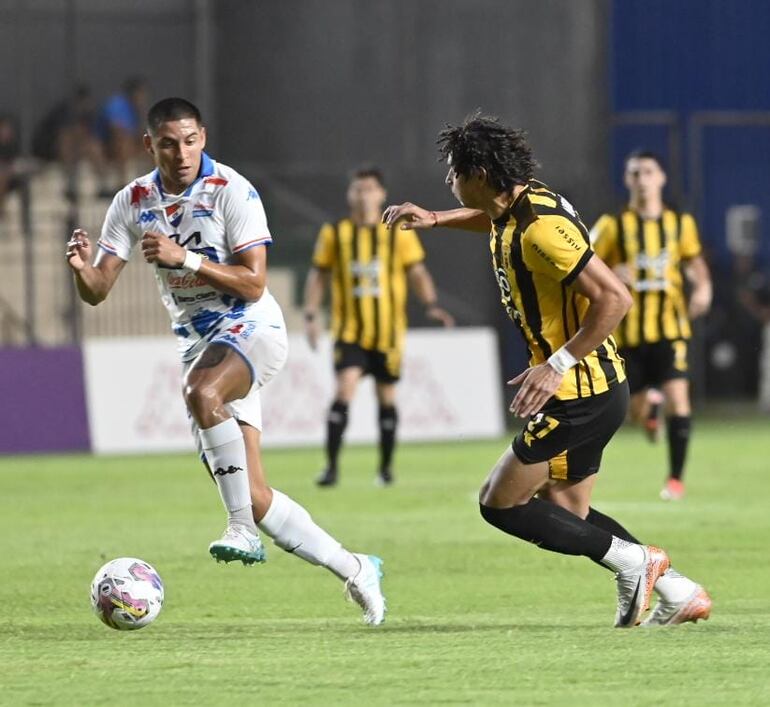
[{"x": 184, "y": 282}]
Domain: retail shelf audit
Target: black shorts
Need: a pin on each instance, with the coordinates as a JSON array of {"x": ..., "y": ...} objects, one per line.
[
  {"x": 385, "y": 367},
  {"x": 572, "y": 434},
  {"x": 654, "y": 364}
]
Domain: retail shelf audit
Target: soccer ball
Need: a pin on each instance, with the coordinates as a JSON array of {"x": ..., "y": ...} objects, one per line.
[{"x": 127, "y": 594}]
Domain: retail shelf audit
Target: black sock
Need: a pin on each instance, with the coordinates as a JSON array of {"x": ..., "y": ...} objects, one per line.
[
  {"x": 612, "y": 526},
  {"x": 335, "y": 428},
  {"x": 653, "y": 411},
  {"x": 388, "y": 418},
  {"x": 551, "y": 527},
  {"x": 678, "y": 431}
]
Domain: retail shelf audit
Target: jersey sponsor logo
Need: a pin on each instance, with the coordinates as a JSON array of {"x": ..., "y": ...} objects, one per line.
[
  {"x": 569, "y": 238},
  {"x": 188, "y": 281},
  {"x": 505, "y": 292},
  {"x": 201, "y": 210}
]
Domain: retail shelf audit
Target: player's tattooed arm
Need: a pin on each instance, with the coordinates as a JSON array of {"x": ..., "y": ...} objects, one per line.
[
  {"x": 94, "y": 278},
  {"x": 413, "y": 216}
]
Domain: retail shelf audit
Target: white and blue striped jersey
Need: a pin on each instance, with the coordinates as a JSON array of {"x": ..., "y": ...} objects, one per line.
[{"x": 219, "y": 216}]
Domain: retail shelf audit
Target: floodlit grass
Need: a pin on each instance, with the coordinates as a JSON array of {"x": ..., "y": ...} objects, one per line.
[{"x": 476, "y": 617}]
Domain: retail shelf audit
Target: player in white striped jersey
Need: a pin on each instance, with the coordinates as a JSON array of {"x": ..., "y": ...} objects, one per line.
[{"x": 202, "y": 226}]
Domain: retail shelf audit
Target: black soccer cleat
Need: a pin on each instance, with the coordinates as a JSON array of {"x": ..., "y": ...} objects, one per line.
[
  {"x": 385, "y": 477},
  {"x": 328, "y": 477}
]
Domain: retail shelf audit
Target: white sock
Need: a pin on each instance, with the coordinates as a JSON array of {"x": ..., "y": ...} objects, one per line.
[
  {"x": 292, "y": 529},
  {"x": 674, "y": 587},
  {"x": 226, "y": 456},
  {"x": 623, "y": 555}
]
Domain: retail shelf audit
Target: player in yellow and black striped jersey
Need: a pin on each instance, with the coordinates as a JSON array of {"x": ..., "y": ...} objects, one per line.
[
  {"x": 649, "y": 245},
  {"x": 566, "y": 302},
  {"x": 371, "y": 268}
]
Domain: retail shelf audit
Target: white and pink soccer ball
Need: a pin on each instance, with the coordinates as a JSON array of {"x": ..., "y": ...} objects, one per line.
[{"x": 127, "y": 594}]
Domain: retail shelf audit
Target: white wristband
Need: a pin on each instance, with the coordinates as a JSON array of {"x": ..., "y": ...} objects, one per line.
[
  {"x": 192, "y": 261},
  {"x": 562, "y": 360}
]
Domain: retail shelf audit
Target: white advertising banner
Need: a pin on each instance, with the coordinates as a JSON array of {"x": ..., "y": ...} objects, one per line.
[{"x": 450, "y": 389}]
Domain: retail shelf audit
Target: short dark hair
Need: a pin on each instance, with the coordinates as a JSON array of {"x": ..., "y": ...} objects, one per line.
[
  {"x": 482, "y": 142},
  {"x": 644, "y": 154},
  {"x": 169, "y": 109},
  {"x": 367, "y": 171}
]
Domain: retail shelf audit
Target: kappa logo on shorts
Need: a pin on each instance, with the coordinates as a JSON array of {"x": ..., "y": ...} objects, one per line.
[{"x": 220, "y": 471}]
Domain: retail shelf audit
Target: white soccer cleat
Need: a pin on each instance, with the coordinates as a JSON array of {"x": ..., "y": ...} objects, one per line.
[
  {"x": 365, "y": 589},
  {"x": 695, "y": 606},
  {"x": 238, "y": 543},
  {"x": 635, "y": 586}
]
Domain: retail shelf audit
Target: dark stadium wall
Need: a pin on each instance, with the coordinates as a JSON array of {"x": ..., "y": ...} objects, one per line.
[{"x": 307, "y": 89}]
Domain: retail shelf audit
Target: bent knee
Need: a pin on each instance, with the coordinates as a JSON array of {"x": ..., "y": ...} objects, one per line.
[
  {"x": 201, "y": 398},
  {"x": 491, "y": 497}
]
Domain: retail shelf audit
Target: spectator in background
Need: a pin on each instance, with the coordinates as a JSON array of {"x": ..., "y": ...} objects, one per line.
[
  {"x": 120, "y": 126},
  {"x": 9, "y": 153},
  {"x": 67, "y": 134}
]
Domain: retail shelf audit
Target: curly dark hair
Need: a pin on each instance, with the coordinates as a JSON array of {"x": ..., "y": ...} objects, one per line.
[{"x": 482, "y": 142}]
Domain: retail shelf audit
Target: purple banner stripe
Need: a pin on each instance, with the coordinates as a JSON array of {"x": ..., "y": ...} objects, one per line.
[{"x": 42, "y": 400}]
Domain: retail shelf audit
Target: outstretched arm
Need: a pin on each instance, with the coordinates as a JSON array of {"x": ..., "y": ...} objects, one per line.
[
  {"x": 422, "y": 283},
  {"x": 414, "y": 216},
  {"x": 93, "y": 280}
]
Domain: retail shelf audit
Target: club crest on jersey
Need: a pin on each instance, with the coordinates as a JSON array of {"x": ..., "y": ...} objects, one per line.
[{"x": 174, "y": 214}]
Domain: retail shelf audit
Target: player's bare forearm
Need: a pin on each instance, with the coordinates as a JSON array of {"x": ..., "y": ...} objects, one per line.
[
  {"x": 244, "y": 279},
  {"x": 422, "y": 283},
  {"x": 246, "y": 282},
  {"x": 697, "y": 272},
  {"x": 609, "y": 302},
  {"x": 315, "y": 286},
  {"x": 413, "y": 216},
  {"x": 92, "y": 280},
  {"x": 464, "y": 219},
  {"x": 91, "y": 285}
]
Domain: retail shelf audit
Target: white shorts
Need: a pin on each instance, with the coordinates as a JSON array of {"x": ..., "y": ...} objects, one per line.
[{"x": 262, "y": 342}]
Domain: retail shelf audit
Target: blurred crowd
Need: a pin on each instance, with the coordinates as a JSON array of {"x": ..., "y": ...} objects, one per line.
[{"x": 77, "y": 129}]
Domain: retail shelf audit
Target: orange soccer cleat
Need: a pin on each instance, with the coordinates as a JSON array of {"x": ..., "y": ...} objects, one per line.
[
  {"x": 694, "y": 607},
  {"x": 673, "y": 490}
]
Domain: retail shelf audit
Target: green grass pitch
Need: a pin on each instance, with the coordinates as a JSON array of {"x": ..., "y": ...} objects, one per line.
[{"x": 475, "y": 617}]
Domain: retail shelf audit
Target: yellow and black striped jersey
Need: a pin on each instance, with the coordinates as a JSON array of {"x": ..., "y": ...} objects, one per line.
[
  {"x": 652, "y": 251},
  {"x": 539, "y": 247},
  {"x": 368, "y": 267}
]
